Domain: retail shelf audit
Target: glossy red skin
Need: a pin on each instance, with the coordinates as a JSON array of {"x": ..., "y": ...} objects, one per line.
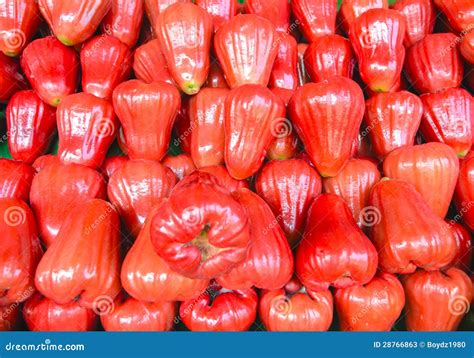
[
  {"x": 124, "y": 20},
  {"x": 11, "y": 78},
  {"x": 327, "y": 116},
  {"x": 286, "y": 311},
  {"x": 111, "y": 165},
  {"x": 433, "y": 64},
  {"x": 354, "y": 184},
  {"x": 86, "y": 128},
  {"x": 436, "y": 301},
  {"x": 406, "y": 232},
  {"x": 132, "y": 315},
  {"x": 285, "y": 73},
  {"x": 180, "y": 165},
  {"x": 464, "y": 193},
  {"x": 334, "y": 251},
  {"x": 9, "y": 318},
  {"x": 216, "y": 78},
  {"x": 106, "y": 62},
  {"x": 229, "y": 311},
  {"x": 201, "y": 231},
  {"x": 21, "y": 251},
  {"x": 147, "y": 277},
  {"x": 74, "y": 21},
  {"x": 44, "y": 315},
  {"x": 328, "y": 56},
  {"x": 184, "y": 32},
  {"x": 277, "y": 11},
  {"x": 419, "y": 17},
  {"x": 447, "y": 118},
  {"x": 269, "y": 262},
  {"x": 57, "y": 189},
  {"x": 284, "y": 94},
  {"x": 206, "y": 116},
  {"x": 31, "y": 124},
  {"x": 467, "y": 47},
  {"x": 153, "y": 8},
  {"x": 283, "y": 148},
  {"x": 15, "y": 179},
  {"x": 42, "y": 162},
  {"x": 303, "y": 77},
  {"x": 316, "y": 18},
  {"x": 135, "y": 188},
  {"x": 392, "y": 120},
  {"x": 352, "y": 9},
  {"x": 19, "y": 20},
  {"x": 224, "y": 178},
  {"x": 51, "y": 68},
  {"x": 87, "y": 248},
  {"x": 377, "y": 39},
  {"x": 149, "y": 63},
  {"x": 375, "y": 306},
  {"x": 253, "y": 116},
  {"x": 147, "y": 113},
  {"x": 460, "y": 13},
  {"x": 432, "y": 168},
  {"x": 221, "y": 11},
  {"x": 234, "y": 40},
  {"x": 463, "y": 239},
  {"x": 289, "y": 187}
]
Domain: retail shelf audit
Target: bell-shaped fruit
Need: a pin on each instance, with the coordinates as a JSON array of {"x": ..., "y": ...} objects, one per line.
[
  {"x": 20, "y": 251},
  {"x": 432, "y": 168},
  {"x": 135, "y": 188},
  {"x": 252, "y": 117},
  {"x": 184, "y": 32},
  {"x": 74, "y": 21},
  {"x": 374, "y": 306},
  {"x": 406, "y": 232},
  {"x": 206, "y": 116},
  {"x": 147, "y": 113},
  {"x": 19, "y": 21},
  {"x": 289, "y": 187},
  {"x": 106, "y": 62},
  {"x": 124, "y": 20},
  {"x": 227, "y": 311},
  {"x": 15, "y": 179},
  {"x": 87, "y": 248},
  {"x": 419, "y": 17},
  {"x": 437, "y": 300},
  {"x": 44, "y": 315},
  {"x": 51, "y": 68},
  {"x": 201, "y": 231},
  {"x": 31, "y": 124},
  {"x": 354, "y": 184},
  {"x": 448, "y": 118},
  {"x": 377, "y": 38},
  {"x": 269, "y": 262},
  {"x": 352, "y": 9},
  {"x": 327, "y": 56},
  {"x": 284, "y": 72},
  {"x": 86, "y": 128},
  {"x": 392, "y": 120},
  {"x": 57, "y": 189},
  {"x": 315, "y": 18},
  {"x": 334, "y": 251},
  {"x": 434, "y": 64},
  {"x": 132, "y": 315},
  {"x": 327, "y": 116},
  {"x": 236, "y": 39}
]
